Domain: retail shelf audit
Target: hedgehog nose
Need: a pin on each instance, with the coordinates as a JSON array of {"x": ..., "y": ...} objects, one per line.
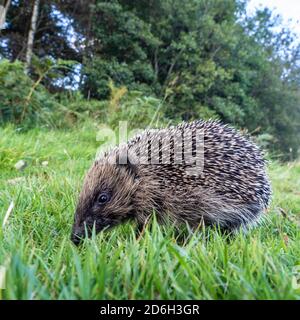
[{"x": 76, "y": 239}]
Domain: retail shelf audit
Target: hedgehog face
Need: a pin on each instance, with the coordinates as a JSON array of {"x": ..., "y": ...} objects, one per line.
[{"x": 106, "y": 199}]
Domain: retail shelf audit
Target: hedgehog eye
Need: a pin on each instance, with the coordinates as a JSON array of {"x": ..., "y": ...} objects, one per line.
[{"x": 103, "y": 198}]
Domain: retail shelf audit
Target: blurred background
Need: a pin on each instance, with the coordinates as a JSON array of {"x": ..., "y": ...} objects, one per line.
[{"x": 153, "y": 62}]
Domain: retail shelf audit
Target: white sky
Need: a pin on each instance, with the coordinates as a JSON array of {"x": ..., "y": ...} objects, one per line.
[{"x": 288, "y": 9}]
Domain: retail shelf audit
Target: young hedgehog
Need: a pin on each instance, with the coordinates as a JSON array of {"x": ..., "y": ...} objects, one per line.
[{"x": 198, "y": 172}]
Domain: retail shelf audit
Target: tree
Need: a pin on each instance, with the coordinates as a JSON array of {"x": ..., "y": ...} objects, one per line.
[
  {"x": 3, "y": 11},
  {"x": 52, "y": 36},
  {"x": 202, "y": 58},
  {"x": 31, "y": 34}
]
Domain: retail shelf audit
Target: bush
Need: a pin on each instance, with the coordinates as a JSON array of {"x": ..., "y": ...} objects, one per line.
[
  {"x": 20, "y": 101},
  {"x": 138, "y": 109}
]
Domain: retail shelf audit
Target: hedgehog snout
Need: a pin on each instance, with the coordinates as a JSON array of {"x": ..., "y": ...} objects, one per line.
[
  {"x": 81, "y": 228},
  {"x": 78, "y": 233},
  {"x": 76, "y": 239}
]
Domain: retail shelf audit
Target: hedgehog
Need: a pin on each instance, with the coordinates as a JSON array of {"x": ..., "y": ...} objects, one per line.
[{"x": 202, "y": 172}]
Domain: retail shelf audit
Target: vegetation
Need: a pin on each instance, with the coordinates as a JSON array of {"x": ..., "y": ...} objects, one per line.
[
  {"x": 42, "y": 263},
  {"x": 199, "y": 59}
]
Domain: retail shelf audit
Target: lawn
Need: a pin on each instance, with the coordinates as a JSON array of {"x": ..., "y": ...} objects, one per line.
[{"x": 42, "y": 263}]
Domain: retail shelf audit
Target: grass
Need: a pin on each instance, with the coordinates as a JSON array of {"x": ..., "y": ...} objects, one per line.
[{"x": 42, "y": 263}]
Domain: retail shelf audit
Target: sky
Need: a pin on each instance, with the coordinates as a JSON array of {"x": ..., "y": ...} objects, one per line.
[{"x": 288, "y": 9}]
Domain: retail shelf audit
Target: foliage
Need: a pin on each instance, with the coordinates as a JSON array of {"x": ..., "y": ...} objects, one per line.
[
  {"x": 205, "y": 59},
  {"x": 21, "y": 101},
  {"x": 200, "y": 58},
  {"x": 52, "y": 36},
  {"x": 42, "y": 263},
  {"x": 123, "y": 53},
  {"x": 138, "y": 110},
  {"x": 134, "y": 107}
]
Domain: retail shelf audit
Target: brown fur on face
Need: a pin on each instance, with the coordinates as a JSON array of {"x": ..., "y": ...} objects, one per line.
[{"x": 116, "y": 181}]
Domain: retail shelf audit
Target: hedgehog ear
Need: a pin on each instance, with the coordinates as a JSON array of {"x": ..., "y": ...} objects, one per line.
[{"x": 123, "y": 161}]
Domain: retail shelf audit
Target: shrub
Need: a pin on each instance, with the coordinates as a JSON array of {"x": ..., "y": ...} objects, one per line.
[{"x": 21, "y": 102}]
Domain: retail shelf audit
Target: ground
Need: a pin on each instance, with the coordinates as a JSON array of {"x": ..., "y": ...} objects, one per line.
[{"x": 42, "y": 263}]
